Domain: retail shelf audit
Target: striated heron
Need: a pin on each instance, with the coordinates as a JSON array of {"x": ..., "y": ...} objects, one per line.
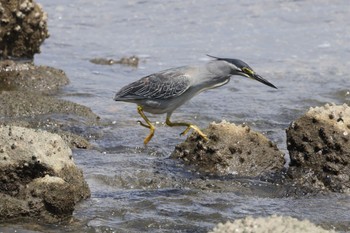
[{"x": 165, "y": 91}]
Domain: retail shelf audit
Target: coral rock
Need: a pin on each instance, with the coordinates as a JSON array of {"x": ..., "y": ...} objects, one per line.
[{"x": 231, "y": 149}]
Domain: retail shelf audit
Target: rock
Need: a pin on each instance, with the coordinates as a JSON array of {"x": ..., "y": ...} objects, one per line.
[
  {"x": 269, "y": 224},
  {"x": 23, "y": 28},
  {"x": 38, "y": 176},
  {"x": 130, "y": 61},
  {"x": 231, "y": 149},
  {"x": 24, "y": 101},
  {"x": 26, "y": 76},
  {"x": 319, "y": 148},
  {"x": 29, "y": 109},
  {"x": 28, "y": 104}
]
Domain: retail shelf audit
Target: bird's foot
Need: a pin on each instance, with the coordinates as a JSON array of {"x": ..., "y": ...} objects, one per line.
[
  {"x": 150, "y": 135},
  {"x": 148, "y": 138},
  {"x": 143, "y": 124},
  {"x": 195, "y": 128},
  {"x": 148, "y": 125},
  {"x": 185, "y": 131}
]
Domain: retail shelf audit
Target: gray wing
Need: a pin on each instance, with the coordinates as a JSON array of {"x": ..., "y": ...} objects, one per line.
[{"x": 162, "y": 85}]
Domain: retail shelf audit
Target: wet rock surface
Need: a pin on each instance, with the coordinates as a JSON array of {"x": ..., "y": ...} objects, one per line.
[
  {"x": 38, "y": 178},
  {"x": 269, "y": 224},
  {"x": 319, "y": 147},
  {"x": 38, "y": 175},
  {"x": 29, "y": 104},
  {"x": 29, "y": 109},
  {"x": 231, "y": 149},
  {"x": 26, "y": 100},
  {"x": 28, "y": 77},
  {"x": 23, "y": 28}
]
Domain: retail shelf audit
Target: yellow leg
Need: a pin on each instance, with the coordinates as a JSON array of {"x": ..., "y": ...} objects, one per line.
[
  {"x": 149, "y": 124},
  {"x": 188, "y": 125}
]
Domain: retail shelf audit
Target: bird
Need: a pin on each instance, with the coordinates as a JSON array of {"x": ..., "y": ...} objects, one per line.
[{"x": 163, "y": 92}]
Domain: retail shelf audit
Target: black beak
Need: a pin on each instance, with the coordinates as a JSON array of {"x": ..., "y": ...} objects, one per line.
[{"x": 262, "y": 80}]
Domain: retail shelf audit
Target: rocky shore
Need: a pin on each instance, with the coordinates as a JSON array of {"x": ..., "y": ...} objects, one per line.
[
  {"x": 38, "y": 177},
  {"x": 318, "y": 144}
]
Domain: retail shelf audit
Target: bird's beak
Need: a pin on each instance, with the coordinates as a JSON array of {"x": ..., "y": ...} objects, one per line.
[
  {"x": 251, "y": 74},
  {"x": 262, "y": 80}
]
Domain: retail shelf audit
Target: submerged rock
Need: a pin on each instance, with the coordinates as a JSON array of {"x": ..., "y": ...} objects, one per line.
[
  {"x": 38, "y": 176},
  {"x": 269, "y": 224},
  {"x": 319, "y": 148},
  {"x": 130, "y": 61},
  {"x": 23, "y": 28},
  {"x": 231, "y": 149}
]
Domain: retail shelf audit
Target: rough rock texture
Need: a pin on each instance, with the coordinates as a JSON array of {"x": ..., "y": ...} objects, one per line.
[
  {"x": 26, "y": 76},
  {"x": 28, "y": 104},
  {"x": 231, "y": 149},
  {"x": 319, "y": 147},
  {"x": 272, "y": 224},
  {"x": 24, "y": 101},
  {"x": 23, "y": 28},
  {"x": 38, "y": 177},
  {"x": 29, "y": 109}
]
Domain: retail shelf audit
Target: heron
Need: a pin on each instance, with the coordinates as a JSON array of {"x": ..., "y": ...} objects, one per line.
[{"x": 163, "y": 92}]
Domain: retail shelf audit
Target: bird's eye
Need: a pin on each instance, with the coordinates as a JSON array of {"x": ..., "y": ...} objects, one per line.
[{"x": 247, "y": 71}]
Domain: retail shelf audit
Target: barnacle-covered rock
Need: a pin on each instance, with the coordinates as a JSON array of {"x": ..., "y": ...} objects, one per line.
[
  {"x": 231, "y": 149},
  {"x": 319, "y": 148},
  {"x": 23, "y": 28},
  {"x": 38, "y": 176}
]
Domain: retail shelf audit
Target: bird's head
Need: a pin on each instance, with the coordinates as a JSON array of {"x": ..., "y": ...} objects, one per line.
[{"x": 241, "y": 68}]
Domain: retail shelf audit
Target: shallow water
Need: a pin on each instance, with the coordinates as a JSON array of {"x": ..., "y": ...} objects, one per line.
[{"x": 303, "y": 47}]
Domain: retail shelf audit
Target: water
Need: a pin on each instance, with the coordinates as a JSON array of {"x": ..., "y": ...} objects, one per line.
[{"x": 302, "y": 47}]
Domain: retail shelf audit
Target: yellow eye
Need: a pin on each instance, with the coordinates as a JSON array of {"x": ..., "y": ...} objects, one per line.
[{"x": 247, "y": 71}]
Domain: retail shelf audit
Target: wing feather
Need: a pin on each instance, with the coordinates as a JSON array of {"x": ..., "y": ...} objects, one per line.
[{"x": 163, "y": 85}]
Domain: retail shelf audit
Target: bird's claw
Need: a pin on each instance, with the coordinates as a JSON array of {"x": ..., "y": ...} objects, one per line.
[
  {"x": 200, "y": 133},
  {"x": 144, "y": 125},
  {"x": 185, "y": 131}
]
